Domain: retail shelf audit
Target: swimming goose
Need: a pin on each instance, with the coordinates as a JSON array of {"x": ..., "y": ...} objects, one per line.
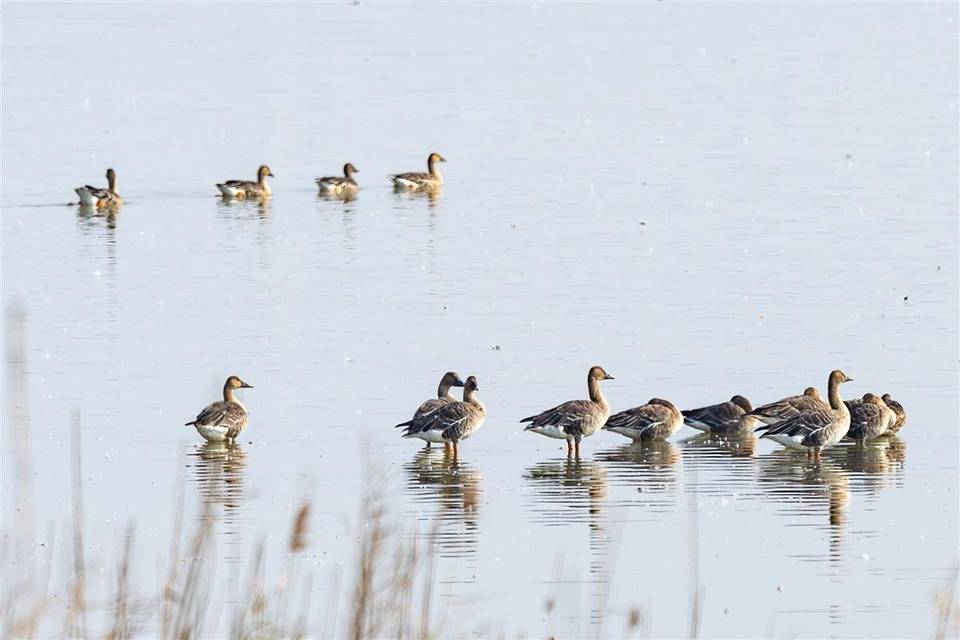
[
  {"x": 242, "y": 189},
  {"x": 776, "y": 412},
  {"x": 813, "y": 429},
  {"x": 657, "y": 420},
  {"x": 898, "y": 409},
  {"x": 337, "y": 185},
  {"x": 718, "y": 418},
  {"x": 455, "y": 421},
  {"x": 870, "y": 418},
  {"x": 225, "y": 420},
  {"x": 419, "y": 181},
  {"x": 577, "y": 419},
  {"x": 101, "y": 198},
  {"x": 414, "y": 426}
]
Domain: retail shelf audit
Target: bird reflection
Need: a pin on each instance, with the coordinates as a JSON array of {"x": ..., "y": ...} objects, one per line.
[
  {"x": 217, "y": 469},
  {"x": 650, "y": 466},
  {"x": 346, "y": 197},
  {"x": 819, "y": 489},
  {"x": 432, "y": 196},
  {"x": 260, "y": 208},
  {"x": 738, "y": 444},
  {"x": 455, "y": 489}
]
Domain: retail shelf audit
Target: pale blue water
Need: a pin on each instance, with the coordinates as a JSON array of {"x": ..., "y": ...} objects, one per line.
[{"x": 704, "y": 199}]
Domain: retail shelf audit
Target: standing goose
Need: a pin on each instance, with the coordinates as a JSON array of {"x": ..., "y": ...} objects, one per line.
[
  {"x": 243, "y": 189},
  {"x": 337, "y": 185},
  {"x": 577, "y": 419},
  {"x": 456, "y": 421},
  {"x": 225, "y": 420},
  {"x": 414, "y": 426},
  {"x": 870, "y": 418},
  {"x": 101, "y": 198},
  {"x": 813, "y": 429},
  {"x": 718, "y": 418},
  {"x": 777, "y": 412},
  {"x": 657, "y": 420},
  {"x": 898, "y": 410},
  {"x": 419, "y": 181}
]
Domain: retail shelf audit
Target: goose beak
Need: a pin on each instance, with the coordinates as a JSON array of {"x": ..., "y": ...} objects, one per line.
[
  {"x": 458, "y": 383},
  {"x": 246, "y": 386},
  {"x": 608, "y": 377}
]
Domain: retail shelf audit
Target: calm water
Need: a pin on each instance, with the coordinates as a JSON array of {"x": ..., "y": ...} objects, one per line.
[{"x": 704, "y": 199}]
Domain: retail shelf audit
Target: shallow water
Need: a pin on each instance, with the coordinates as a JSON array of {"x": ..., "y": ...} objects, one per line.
[{"x": 706, "y": 200}]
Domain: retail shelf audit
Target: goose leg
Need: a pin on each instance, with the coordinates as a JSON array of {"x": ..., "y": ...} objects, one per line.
[
  {"x": 576, "y": 448},
  {"x": 456, "y": 453},
  {"x": 428, "y": 445},
  {"x": 569, "y": 448}
]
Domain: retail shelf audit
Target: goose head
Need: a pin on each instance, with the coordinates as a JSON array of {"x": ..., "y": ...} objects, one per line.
[
  {"x": 435, "y": 157},
  {"x": 870, "y": 398},
  {"x": 452, "y": 379},
  {"x": 471, "y": 385},
  {"x": 263, "y": 172},
  {"x": 812, "y": 392},
  {"x": 742, "y": 402},
  {"x": 597, "y": 373},
  {"x": 349, "y": 169},
  {"x": 234, "y": 382},
  {"x": 839, "y": 377}
]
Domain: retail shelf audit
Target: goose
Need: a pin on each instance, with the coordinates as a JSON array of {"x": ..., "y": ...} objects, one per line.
[
  {"x": 718, "y": 418},
  {"x": 776, "y": 412},
  {"x": 337, "y": 185},
  {"x": 657, "y": 420},
  {"x": 101, "y": 198},
  {"x": 414, "y": 426},
  {"x": 870, "y": 418},
  {"x": 577, "y": 419},
  {"x": 813, "y": 429},
  {"x": 455, "y": 421},
  {"x": 223, "y": 421},
  {"x": 419, "y": 181},
  {"x": 242, "y": 189},
  {"x": 898, "y": 409}
]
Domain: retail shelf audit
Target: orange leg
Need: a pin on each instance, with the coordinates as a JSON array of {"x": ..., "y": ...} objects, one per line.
[
  {"x": 576, "y": 449},
  {"x": 569, "y": 448}
]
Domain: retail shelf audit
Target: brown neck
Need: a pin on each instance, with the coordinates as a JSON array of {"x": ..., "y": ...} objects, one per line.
[
  {"x": 593, "y": 387},
  {"x": 262, "y": 179},
  {"x": 228, "y": 394},
  {"x": 432, "y": 167},
  {"x": 470, "y": 395},
  {"x": 836, "y": 402},
  {"x": 443, "y": 390},
  {"x": 112, "y": 183}
]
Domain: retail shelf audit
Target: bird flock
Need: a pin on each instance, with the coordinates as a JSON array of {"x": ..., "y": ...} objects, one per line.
[
  {"x": 805, "y": 422},
  {"x": 344, "y": 186}
]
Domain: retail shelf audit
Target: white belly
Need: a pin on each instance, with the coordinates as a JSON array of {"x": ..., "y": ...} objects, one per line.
[
  {"x": 435, "y": 436},
  {"x": 212, "y": 433},
  {"x": 87, "y": 199},
  {"x": 791, "y": 442},
  {"x": 552, "y": 431},
  {"x": 230, "y": 192}
]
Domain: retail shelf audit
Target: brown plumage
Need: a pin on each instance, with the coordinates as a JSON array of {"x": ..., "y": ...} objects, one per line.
[
  {"x": 456, "y": 421},
  {"x": 813, "y": 429},
  {"x": 339, "y": 185},
  {"x": 577, "y": 419},
  {"x": 419, "y": 181},
  {"x": 242, "y": 189},
  {"x": 870, "y": 418},
  {"x": 415, "y": 426},
  {"x": 657, "y": 420},
  {"x": 718, "y": 418},
  {"x": 776, "y": 412},
  {"x": 101, "y": 198},
  {"x": 224, "y": 420},
  {"x": 898, "y": 409}
]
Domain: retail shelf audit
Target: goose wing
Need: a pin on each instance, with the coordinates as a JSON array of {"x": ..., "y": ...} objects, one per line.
[
  {"x": 452, "y": 418},
  {"x": 863, "y": 415},
  {"x": 222, "y": 414},
  {"x": 805, "y": 425},
  {"x": 648, "y": 419},
  {"x": 415, "y": 177},
  {"x": 420, "y": 416},
  {"x": 240, "y": 184},
  {"x": 567, "y": 416},
  {"x": 717, "y": 415},
  {"x": 787, "y": 409},
  {"x": 331, "y": 180}
]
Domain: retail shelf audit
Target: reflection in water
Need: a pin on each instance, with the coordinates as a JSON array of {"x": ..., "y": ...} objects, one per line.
[
  {"x": 739, "y": 444},
  {"x": 816, "y": 490},
  {"x": 217, "y": 470},
  {"x": 346, "y": 197},
  {"x": 248, "y": 208},
  {"x": 455, "y": 489},
  {"x": 573, "y": 492},
  {"x": 431, "y": 195},
  {"x": 651, "y": 467}
]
